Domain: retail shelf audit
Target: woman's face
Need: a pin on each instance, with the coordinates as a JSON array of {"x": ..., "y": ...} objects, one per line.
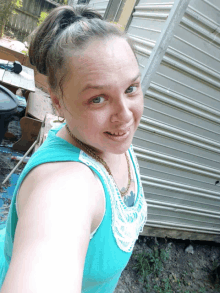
[{"x": 103, "y": 95}]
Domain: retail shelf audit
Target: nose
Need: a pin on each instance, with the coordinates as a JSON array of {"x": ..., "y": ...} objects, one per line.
[{"x": 121, "y": 110}]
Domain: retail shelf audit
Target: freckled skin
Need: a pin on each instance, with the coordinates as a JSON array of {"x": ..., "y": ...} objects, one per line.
[{"x": 119, "y": 104}]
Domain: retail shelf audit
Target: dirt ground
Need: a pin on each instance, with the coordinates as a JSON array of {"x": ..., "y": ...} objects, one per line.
[
  {"x": 157, "y": 265},
  {"x": 182, "y": 271}
]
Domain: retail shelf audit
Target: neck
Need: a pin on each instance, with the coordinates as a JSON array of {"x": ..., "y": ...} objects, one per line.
[{"x": 110, "y": 158}]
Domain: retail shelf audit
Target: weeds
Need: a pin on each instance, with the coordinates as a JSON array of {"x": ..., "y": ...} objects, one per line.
[
  {"x": 149, "y": 267},
  {"x": 151, "y": 262},
  {"x": 148, "y": 263}
]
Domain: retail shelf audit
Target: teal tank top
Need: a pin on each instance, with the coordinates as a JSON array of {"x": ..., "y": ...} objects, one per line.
[{"x": 111, "y": 246}]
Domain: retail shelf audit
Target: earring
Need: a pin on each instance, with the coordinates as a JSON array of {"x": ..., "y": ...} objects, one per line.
[{"x": 61, "y": 119}]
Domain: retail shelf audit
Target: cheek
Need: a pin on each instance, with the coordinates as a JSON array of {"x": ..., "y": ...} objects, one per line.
[
  {"x": 93, "y": 122},
  {"x": 139, "y": 107}
]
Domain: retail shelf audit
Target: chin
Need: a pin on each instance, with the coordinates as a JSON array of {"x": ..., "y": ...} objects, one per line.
[{"x": 118, "y": 150}]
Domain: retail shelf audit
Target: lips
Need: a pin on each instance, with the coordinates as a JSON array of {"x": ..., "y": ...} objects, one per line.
[
  {"x": 116, "y": 137},
  {"x": 119, "y": 133}
]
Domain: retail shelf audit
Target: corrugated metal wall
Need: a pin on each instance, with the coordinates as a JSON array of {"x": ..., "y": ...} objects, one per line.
[
  {"x": 99, "y": 5},
  {"x": 178, "y": 140}
]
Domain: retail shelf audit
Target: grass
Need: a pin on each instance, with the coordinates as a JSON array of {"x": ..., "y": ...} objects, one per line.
[
  {"x": 148, "y": 263},
  {"x": 151, "y": 264}
]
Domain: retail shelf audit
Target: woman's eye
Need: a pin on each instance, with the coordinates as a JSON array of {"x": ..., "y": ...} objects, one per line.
[
  {"x": 132, "y": 89},
  {"x": 97, "y": 100}
]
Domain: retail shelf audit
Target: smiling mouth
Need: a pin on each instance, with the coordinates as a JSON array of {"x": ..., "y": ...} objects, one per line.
[{"x": 120, "y": 133}]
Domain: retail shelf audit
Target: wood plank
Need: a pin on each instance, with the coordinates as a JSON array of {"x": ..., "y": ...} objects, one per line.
[
  {"x": 11, "y": 55},
  {"x": 7, "y": 56},
  {"x": 179, "y": 234},
  {"x": 24, "y": 80},
  {"x": 38, "y": 105}
]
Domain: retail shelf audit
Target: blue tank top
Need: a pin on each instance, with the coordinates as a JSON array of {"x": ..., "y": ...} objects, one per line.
[{"x": 111, "y": 246}]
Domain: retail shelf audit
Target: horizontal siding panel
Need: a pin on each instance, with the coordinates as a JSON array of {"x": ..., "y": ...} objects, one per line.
[
  {"x": 198, "y": 47},
  {"x": 182, "y": 198},
  {"x": 197, "y": 94},
  {"x": 209, "y": 10},
  {"x": 177, "y": 142},
  {"x": 146, "y": 26},
  {"x": 142, "y": 59},
  {"x": 213, "y": 3},
  {"x": 148, "y": 19},
  {"x": 211, "y": 54},
  {"x": 144, "y": 32},
  {"x": 99, "y": 5},
  {"x": 179, "y": 171},
  {"x": 188, "y": 118},
  {"x": 190, "y": 81},
  {"x": 160, "y": 141},
  {"x": 155, "y": 2},
  {"x": 182, "y": 217}
]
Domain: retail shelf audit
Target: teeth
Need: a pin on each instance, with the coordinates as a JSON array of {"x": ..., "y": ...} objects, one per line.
[{"x": 117, "y": 133}]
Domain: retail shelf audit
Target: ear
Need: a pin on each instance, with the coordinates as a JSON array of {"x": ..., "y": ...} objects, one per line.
[{"x": 56, "y": 103}]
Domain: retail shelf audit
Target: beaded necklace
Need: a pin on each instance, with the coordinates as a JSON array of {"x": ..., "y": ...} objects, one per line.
[{"x": 90, "y": 152}]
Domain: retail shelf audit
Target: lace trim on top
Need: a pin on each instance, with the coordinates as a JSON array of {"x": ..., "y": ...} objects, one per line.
[{"x": 127, "y": 222}]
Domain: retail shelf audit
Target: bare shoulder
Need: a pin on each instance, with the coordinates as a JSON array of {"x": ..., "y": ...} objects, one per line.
[
  {"x": 55, "y": 221},
  {"x": 60, "y": 175}
]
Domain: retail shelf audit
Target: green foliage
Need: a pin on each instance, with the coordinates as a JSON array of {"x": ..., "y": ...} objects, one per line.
[
  {"x": 25, "y": 52},
  {"x": 7, "y": 9},
  {"x": 165, "y": 287},
  {"x": 148, "y": 263},
  {"x": 18, "y": 4},
  {"x": 42, "y": 17}
]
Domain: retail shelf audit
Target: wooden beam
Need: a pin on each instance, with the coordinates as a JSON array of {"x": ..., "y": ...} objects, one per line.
[
  {"x": 53, "y": 2},
  {"x": 126, "y": 13},
  {"x": 179, "y": 234},
  {"x": 27, "y": 13}
]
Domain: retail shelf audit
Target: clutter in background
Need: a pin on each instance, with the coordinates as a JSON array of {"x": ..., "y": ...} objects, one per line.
[{"x": 18, "y": 158}]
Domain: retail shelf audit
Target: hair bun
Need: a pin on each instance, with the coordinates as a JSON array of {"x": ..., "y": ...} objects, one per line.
[
  {"x": 87, "y": 12},
  {"x": 67, "y": 17},
  {"x": 69, "y": 14},
  {"x": 57, "y": 21}
]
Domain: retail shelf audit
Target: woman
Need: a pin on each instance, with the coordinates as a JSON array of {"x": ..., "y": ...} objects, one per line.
[{"x": 84, "y": 243}]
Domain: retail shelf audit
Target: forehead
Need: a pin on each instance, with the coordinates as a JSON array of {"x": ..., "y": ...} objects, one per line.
[{"x": 103, "y": 61}]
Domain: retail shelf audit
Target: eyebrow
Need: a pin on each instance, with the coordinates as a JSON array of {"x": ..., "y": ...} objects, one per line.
[{"x": 89, "y": 86}]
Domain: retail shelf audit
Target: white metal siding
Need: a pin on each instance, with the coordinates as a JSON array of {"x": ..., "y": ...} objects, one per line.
[
  {"x": 99, "y": 5},
  {"x": 178, "y": 140}
]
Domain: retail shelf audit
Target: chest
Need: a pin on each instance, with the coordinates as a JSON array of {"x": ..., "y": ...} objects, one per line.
[{"x": 121, "y": 178}]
